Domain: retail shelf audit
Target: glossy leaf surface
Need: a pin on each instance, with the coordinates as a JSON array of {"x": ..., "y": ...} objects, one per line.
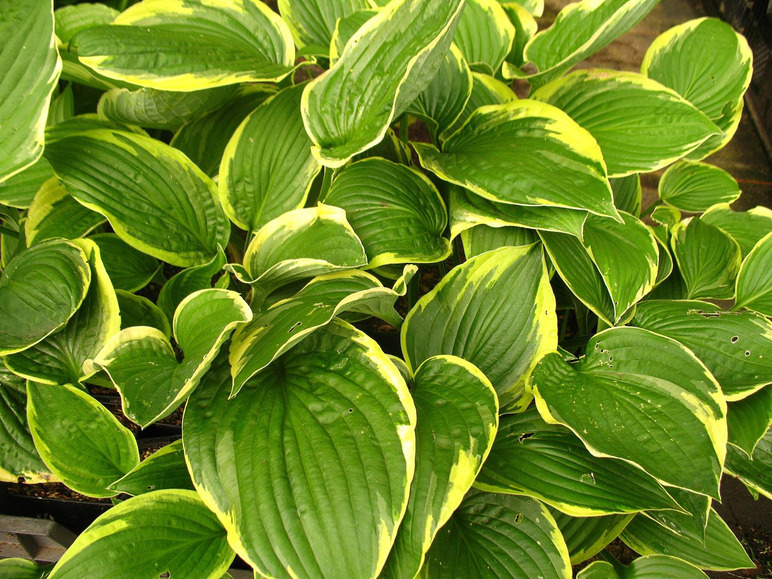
[
  {"x": 164, "y": 469},
  {"x": 691, "y": 186},
  {"x": 754, "y": 281}
]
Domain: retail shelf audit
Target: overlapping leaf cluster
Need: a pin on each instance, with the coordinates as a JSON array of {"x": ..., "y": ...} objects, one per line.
[{"x": 199, "y": 198}]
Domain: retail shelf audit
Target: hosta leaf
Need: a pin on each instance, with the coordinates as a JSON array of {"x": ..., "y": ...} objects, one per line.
[
  {"x": 468, "y": 210},
  {"x": 624, "y": 111},
  {"x": 348, "y": 109},
  {"x": 486, "y": 90},
  {"x": 157, "y": 109},
  {"x": 708, "y": 259},
  {"x": 22, "y": 569},
  {"x": 749, "y": 419},
  {"x": 155, "y": 198},
  {"x": 69, "y": 20},
  {"x": 129, "y": 269},
  {"x": 260, "y": 177},
  {"x": 457, "y": 415},
  {"x": 281, "y": 326},
  {"x": 720, "y": 552},
  {"x": 585, "y": 537},
  {"x": 80, "y": 124},
  {"x": 625, "y": 390},
  {"x": 168, "y": 531},
  {"x": 649, "y": 567},
  {"x": 580, "y": 29},
  {"x": 62, "y": 106},
  {"x": 530, "y": 457},
  {"x": 710, "y": 65},
  {"x": 691, "y": 522},
  {"x": 533, "y": 7},
  {"x": 312, "y": 22},
  {"x": 164, "y": 469},
  {"x": 80, "y": 441},
  {"x": 390, "y": 148},
  {"x": 189, "y": 280},
  {"x": 525, "y": 153},
  {"x": 40, "y": 289},
  {"x": 496, "y": 310},
  {"x": 18, "y": 457},
  {"x": 747, "y": 228},
  {"x": 149, "y": 45},
  {"x": 754, "y": 281},
  {"x": 204, "y": 139},
  {"x": 54, "y": 213},
  {"x": 754, "y": 471},
  {"x": 443, "y": 101},
  {"x": 142, "y": 364},
  {"x": 29, "y": 69},
  {"x": 395, "y": 210},
  {"x": 340, "y": 445},
  {"x": 497, "y": 535},
  {"x": 525, "y": 28},
  {"x": 484, "y": 35},
  {"x": 345, "y": 28},
  {"x": 691, "y": 186},
  {"x": 140, "y": 311},
  {"x": 20, "y": 189},
  {"x": 299, "y": 245},
  {"x": 735, "y": 346},
  {"x": 59, "y": 358},
  {"x": 482, "y": 238},
  {"x": 627, "y": 193}
]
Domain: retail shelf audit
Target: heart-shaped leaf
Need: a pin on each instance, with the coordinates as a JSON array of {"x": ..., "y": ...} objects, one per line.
[
  {"x": 150, "y": 535},
  {"x": 473, "y": 314},
  {"x": 149, "y": 45},
  {"x": 313, "y": 475},
  {"x": 79, "y": 440},
  {"x": 155, "y": 198},
  {"x": 624, "y": 391},
  {"x": 691, "y": 186},
  {"x": 754, "y": 281}
]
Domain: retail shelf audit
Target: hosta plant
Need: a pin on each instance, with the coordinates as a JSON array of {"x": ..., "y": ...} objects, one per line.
[{"x": 210, "y": 203}]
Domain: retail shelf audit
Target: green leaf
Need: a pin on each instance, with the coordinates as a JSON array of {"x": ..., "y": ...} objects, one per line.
[
  {"x": 80, "y": 124},
  {"x": 625, "y": 391},
  {"x": 18, "y": 458},
  {"x": 747, "y": 228},
  {"x": 164, "y": 469},
  {"x": 29, "y": 69},
  {"x": 484, "y": 35},
  {"x": 468, "y": 210},
  {"x": 649, "y": 567},
  {"x": 627, "y": 193},
  {"x": 279, "y": 327},
  {"x": 167, "y": 531},
  {"x": 204, "y": 139},
  {"x": 496, "y": 535},
  {"x": 749, "y": 419},
  {"x": 692, "y": 521},
  {"x": 533, "y": 7},
  {"x": 471, "y": 314},
  {"x": 345, "y": 28},
  {"x": 19, "y": 190},
  {"x": 149, "y": 45},
  {"x": 40, "y": 289},
  {"x": 482, "y": 238},
  {"x": 158, "y": 109},
  {"x": 69, "y": 20},
  {"x": 734, "y": 346},
  {"x": 623, "y": 110},
  {"x": 710, "y": 65},
  {"x": 708, "y": 259},
  {"x": 155, "y": 198},
  {"x": 525, "y": 153},
  {"x": 525, "y": 29},
  {"x": 443, "y": 101},
  {"x": 585, "y": 537},
  {"x": 189, "y": 280},
  {"x": 348, "y": 109},
  {"x": 260, "y": 177},
  {"x": 580, "y": 30},
  {"x": 694, "y": 187},
  {"x": 80, "y": 441},
  {"x": 312, "y": 22},
  {"x": 62, "y": 107},
  {"x": 720, "y": 552},
  {"x": 457, "y": 416},
  {"x": 548, "y": 462},
  {"x": 395, "y": 210},
  {"x": 59, "y": 358},
  {"x": 16, "y": 568},
  {"x": 754, "y": 281},
  {"x": 754, "y": 471},
  {"x": 54, "y": 213},
  {"x": 486, "y": 90},
  {"x": 341, "y": 449},
  {"x": 129, "y": 269},
  {"x": 142, "y": 364},
  {"x": 140, "y": 311}
]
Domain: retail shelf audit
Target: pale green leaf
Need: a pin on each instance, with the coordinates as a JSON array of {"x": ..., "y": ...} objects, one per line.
[
  {"x": 533, "y": 7},
  {"x": 19, "y": 190},
  {"x": 754, "y": 281},
  {"x": 17, "y": 568},
  {"x": 164, "y": 469},
  {"x": 691, "y": 186},
  {"x": 745, "y": 227},
  {"x": 312, "y": 22},
  {"x": 484, "y": 35}
]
